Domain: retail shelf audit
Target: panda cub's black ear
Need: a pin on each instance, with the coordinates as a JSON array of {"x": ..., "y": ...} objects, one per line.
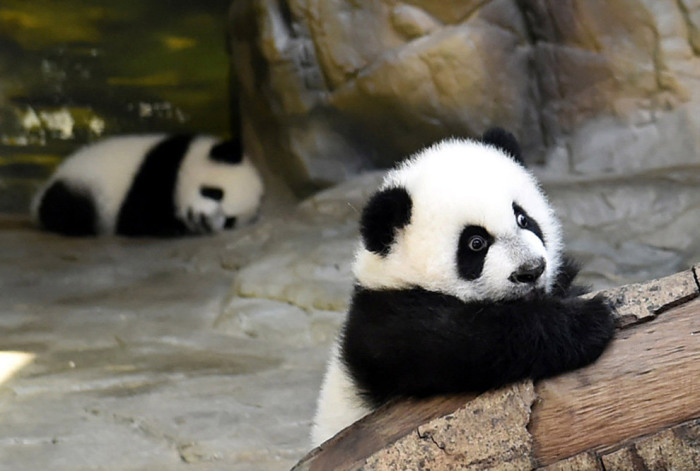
[
  {"x": 505, "y": 142},
  {"x": 386, "y": 212},
  {"x": 230, "y": 152}
]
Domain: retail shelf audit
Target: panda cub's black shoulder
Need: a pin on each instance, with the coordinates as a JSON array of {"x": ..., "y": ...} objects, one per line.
[
  {"x": 150, "y": 185},
  {"x": 461, "y": 285}
]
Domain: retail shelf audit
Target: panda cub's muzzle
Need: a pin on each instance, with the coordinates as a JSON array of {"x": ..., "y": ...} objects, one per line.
[{"x": 529, "y": 272}]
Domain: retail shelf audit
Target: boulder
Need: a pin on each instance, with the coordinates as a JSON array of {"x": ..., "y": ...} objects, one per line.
[{"x": 327, "y": 89}]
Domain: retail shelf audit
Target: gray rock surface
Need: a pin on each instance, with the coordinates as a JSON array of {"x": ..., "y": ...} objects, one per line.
[
  {"x": 634, "y": 229},
  {"x": 136, "y": 364},
  {"x": 305, "y": 259},
  {"x": 594, "y": 88}
]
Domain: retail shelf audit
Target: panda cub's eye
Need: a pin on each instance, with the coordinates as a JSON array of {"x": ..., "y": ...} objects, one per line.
[
  {"x": 477, "y": 243},
  {"x": 522, "y": 220}
]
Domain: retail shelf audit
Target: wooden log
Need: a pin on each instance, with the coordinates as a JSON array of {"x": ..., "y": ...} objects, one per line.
[
  {"x": 610, "y": 415},
  {"x": 648, "y": 379}
]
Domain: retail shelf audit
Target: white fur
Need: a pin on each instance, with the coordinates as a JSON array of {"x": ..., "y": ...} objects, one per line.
[
  {"x": 339, "y": 404},
  {"x": 452, "y": 184},
  {"x": 106, "y": 170}
]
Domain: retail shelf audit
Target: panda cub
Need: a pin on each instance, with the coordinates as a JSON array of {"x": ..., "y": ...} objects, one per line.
[
  {"x": 461, "y": 285},
  {"x": 150, "y": 185}
]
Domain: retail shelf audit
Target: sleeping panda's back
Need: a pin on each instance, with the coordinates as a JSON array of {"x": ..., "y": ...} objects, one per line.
[{"x": 85, "y": 194}]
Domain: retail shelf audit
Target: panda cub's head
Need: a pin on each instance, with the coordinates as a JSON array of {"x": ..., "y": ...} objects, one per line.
[
  {"x": 462, "y": 217},
  {"x": 217, "y": 186}
]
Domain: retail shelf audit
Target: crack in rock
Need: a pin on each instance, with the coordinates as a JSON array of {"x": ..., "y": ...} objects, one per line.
[
  {"x": 188, "y": 451},
  {"x": 429, "y": 436}
]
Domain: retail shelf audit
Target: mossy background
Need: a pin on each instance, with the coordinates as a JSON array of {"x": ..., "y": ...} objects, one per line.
[{"x": 73, "y": 71}]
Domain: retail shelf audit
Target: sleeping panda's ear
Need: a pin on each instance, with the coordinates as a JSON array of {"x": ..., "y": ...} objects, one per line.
[
  {"x": 230, "y": 152},
  {"x": 385, "y": 213},
  {"x": 505, "y": 142}
]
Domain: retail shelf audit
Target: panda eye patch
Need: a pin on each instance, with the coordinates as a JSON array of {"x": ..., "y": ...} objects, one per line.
[
  {"x": 472, "y": 249},
  {"x": 524, "y": 221},
  {"x": 211, "y": 192}
]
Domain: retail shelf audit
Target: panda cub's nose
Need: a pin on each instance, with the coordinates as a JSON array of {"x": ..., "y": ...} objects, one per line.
[{"x": 528, "y": 272}]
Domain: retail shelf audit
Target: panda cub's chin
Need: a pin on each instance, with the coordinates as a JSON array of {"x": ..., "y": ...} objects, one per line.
[
  {"x": 522, "y": 291},
  {"x": 488, "y": 289},
  {"x": 510, "y": 294},
  {"x": 529, "y": 294}
]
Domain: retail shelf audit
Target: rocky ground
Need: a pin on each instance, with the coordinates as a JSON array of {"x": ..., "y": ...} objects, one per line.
[
  {"x": 207, "y": 353},
  {"x": 134, "y": 369}
]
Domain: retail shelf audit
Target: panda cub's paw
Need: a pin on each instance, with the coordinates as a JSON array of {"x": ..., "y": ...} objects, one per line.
[{"x": 205, "y": 216}]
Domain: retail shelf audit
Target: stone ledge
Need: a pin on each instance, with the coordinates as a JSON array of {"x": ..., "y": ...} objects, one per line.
[{"x": 641, "y": 302}]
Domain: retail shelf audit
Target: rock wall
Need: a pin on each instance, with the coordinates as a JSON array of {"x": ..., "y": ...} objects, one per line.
[{"x": 328, "y": 88}]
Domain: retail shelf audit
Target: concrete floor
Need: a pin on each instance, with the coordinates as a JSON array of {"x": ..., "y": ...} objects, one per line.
[{"x": 129, "y": 370}]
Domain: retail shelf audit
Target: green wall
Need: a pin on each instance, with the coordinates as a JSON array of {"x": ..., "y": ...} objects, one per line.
[{"x": 72, "y": 71}]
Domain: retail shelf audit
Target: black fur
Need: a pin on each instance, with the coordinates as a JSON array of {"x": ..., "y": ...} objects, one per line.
[
  {"x": 505, "y": 141},
  {"x": 230, "y": 152},
  {"x": 149, "y": 206},
  {"x": 419, "y": 343},
  {"x": 386, "y": 212},
  {"x": 532, "y": 225},
  {"x": 563, "y": 286},
  {"x": 469, "y": 262},
  {"x": 212, "y": 192},
  {"x": 68, "y": 210},
  {"x": 230, "y": 222}
]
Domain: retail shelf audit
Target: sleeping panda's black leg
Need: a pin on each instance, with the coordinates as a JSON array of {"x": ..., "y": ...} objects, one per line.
[
  {"x": 68, "y": 210},
  {"x": 419, "y": 343}
]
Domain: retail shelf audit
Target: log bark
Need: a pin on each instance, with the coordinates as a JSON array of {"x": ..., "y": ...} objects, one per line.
[{"x": 637, "y": 407}]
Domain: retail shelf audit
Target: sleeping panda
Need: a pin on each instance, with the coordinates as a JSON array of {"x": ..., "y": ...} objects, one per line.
[
  {"x": 150, "y": 185},
  {"x": 461, "y": 285}
]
